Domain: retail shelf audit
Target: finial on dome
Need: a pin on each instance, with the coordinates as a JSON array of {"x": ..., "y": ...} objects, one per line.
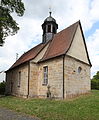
[
  {"x": 50, "y": 13},
  {"x": 49, "y": 27}
]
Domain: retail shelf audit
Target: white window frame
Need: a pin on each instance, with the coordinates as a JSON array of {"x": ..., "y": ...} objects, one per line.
[{"x": 45, "y": 75}]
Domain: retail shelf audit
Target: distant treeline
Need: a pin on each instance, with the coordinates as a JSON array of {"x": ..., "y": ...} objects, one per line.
[{"x": 95, "y": 81}]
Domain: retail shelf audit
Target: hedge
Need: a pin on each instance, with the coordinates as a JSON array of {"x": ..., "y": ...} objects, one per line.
[
  {"x": 2, "y": 88},
  {"x": 95, "y": 84}
]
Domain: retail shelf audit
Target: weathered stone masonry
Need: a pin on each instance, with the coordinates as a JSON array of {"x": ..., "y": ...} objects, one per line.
[
  {"x": 55, "y": 78},
  {"x": 76, "y": 83},
  {"x": 12, "y": 81},
  {"x": 66, "y": 58}
]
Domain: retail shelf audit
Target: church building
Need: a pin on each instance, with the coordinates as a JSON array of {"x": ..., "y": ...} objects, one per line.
[{"x": 59, "y": 67}]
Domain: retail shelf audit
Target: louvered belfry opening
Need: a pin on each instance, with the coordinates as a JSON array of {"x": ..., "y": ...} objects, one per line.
[{"x": 49, "y": 28}]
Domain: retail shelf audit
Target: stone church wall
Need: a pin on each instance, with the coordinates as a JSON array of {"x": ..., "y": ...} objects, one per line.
[
  {"x": 8, "y": 82},
  {"x": 12, "y": 81},
  {"x": 33, "y": 81},
  {"x": 76, "y": 81},
  {"x": 55, "y": 78}
]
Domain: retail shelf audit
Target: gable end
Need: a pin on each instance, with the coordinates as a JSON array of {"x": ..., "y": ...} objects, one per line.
[{"x": 78, "y": 48}]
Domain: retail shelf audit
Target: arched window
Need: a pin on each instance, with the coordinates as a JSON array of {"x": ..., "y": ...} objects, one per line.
[
  {"x": 49, "y": 28},
  {"x": 79, "y": 69}
]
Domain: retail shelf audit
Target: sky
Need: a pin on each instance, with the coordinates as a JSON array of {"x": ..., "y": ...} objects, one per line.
[{"x": 66, "y": 12}]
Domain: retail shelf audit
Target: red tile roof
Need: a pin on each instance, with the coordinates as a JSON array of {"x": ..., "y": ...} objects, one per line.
[
  {"x": 59, "y": 45},
  {"x": 61, "y": 42},
  {"x": 29, "y": 55}
]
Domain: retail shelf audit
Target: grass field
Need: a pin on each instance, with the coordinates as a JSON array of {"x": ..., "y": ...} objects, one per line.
[{"x": 85, "y": 107}]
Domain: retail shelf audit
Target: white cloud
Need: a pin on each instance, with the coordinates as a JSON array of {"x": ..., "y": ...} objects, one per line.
[
  {"x": 2, "y": 76},
  {"x": 94, "y": 12},
  {"x": 72, "y": 11},
  {"x": 93, "y": 48},
  {"x": 65, "y": 12},
  {"x": 27, "y": 37}
]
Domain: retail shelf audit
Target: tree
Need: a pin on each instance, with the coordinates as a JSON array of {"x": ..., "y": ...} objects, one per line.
[
  {"x": 8, "y": 25},
  {"x": 95, "y": 81}
]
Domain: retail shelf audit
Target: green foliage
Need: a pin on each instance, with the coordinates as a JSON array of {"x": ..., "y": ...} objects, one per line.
[
  {"x": 2, "y": 88},
  {"x": 95, "y": 81},
  {"x": 8, "y": 25},
  {"x": 85, "y": 107}
]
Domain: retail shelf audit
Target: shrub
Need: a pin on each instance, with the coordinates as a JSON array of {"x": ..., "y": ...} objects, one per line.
[
  {"x": 95, "y": 81},
  {"x": 94, "y": 84},
  {"x": 2, "y": 88}
]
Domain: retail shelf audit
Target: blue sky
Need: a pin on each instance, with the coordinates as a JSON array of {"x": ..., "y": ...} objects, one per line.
[
  {"x": 92, "y": 30},
  {"x": 66, "y": 13}
]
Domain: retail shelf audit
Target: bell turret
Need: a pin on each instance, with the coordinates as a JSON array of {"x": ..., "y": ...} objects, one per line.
[{"x": 49, "y": 28}]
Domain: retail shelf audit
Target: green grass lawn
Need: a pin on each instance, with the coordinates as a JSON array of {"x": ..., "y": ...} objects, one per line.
[{"x": 85, "y": 107}]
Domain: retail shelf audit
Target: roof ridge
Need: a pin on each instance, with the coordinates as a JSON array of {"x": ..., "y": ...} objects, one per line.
[
  {"x": 73, "y": 35},
  {"x": 28, "y": 51},
  {"x": 45, "y": 57},
  {"x": 26, "y": 57},
  {"x": 68, "y": 27},
  {"x": 59, "y": 45},
  {"x": 32, "y": 48}
]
